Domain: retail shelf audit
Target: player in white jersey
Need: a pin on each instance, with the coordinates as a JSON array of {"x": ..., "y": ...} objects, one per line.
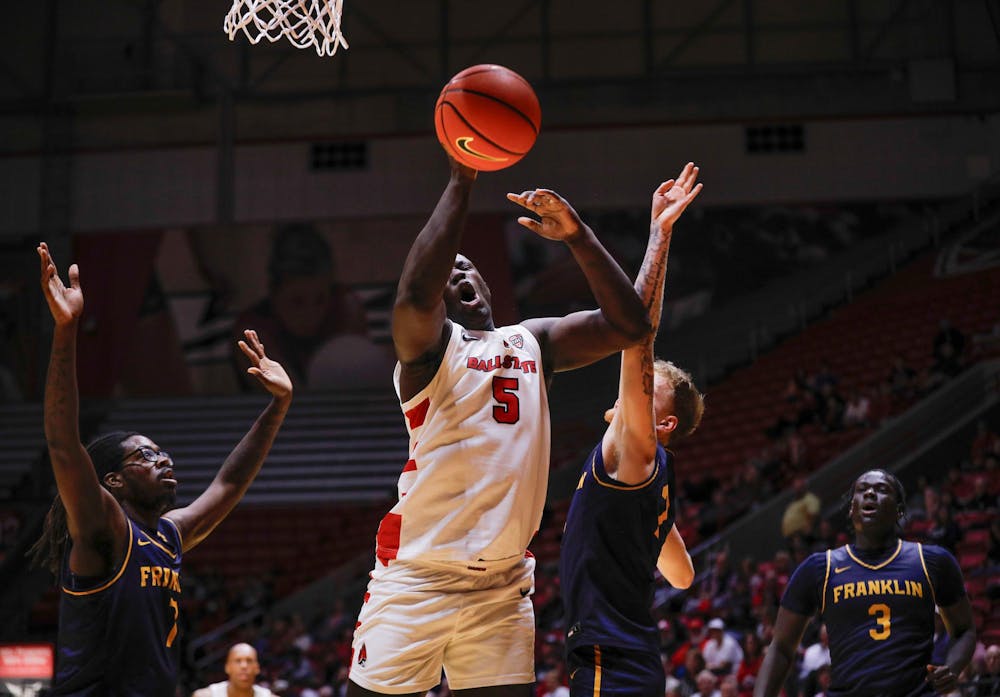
[{"x": 452, "y": 574}]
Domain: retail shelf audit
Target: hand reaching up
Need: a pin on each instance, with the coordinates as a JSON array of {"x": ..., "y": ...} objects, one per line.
[
  {"x": 558, "y": 219},
  {"x": 65, "y": 304},
  {"x": 673, "y": 196},
  {"x": 269, "y": 373}
]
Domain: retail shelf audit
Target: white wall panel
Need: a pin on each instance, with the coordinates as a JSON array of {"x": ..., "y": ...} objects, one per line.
[{"x": 843, "y": 160}]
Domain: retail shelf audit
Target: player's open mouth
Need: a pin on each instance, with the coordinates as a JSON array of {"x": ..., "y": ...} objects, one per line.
[
  {"x": 468, "y": 295},
  {"x": 168, "y": 478}
]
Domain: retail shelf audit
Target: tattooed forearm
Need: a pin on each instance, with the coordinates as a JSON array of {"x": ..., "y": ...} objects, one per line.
[
  {"x": 649, "y": 283},
  {"x": 647, "y": 372}
]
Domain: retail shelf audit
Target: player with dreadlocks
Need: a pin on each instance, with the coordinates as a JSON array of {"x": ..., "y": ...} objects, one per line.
[{"x": 112, "y": 537}]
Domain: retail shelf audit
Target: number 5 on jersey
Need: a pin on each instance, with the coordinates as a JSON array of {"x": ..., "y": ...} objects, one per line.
[{"x": 507, "y": 410}]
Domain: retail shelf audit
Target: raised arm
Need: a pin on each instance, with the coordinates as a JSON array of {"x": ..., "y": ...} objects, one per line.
[
  {"x": 93, "y": 516},
  {"x": 198, "y": 519},
  {"x": 780, "y": 655},
  {"x": 581, "y": 338},
  {"x": 629, "y": 446},
  {"x": 418, "y": 315}
]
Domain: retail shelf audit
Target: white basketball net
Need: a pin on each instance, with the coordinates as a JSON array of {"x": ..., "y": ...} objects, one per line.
[{"x": 305, "y": 23}]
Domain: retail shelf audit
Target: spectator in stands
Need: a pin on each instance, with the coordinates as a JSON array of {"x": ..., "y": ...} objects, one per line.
[
  {"x": 728, "y": 687},
  {"x": 721, "y": 651},
  {"x": 948, "y": 345},
  {"x": 857, "y": 412},
  {"x": 902, "y": 379},
  {"x": 945, "y": 531},
  {"x": 693, "y": 663},
  {"x": 306, "y": 305},
  {"x": 916, "y": 508},
  {"x": 750, "y": 490},
  {"x": 830, "y": 408},
  {"x": 242, "y": 669},
  {"x": 980, "y": 498},
  {"x": 823, "y": 378},
  {"x": 705, "y": 684},
  {"x": 553, "y": 686},
  {"x": 987, "y": 683},
  {"x": 823, "y": 675},
  {"x": 753, "y": 656},
  {"x": 720, "y": 574},
  {"x": 816, "y": 655},
  {"x": 802, "y": 512},
  {"x": 825, "y": 537},
  {"x": 714, "y": 515}
]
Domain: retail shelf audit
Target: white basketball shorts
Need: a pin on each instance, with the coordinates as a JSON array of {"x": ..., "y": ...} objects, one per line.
[{"x": 475, "y": 622}]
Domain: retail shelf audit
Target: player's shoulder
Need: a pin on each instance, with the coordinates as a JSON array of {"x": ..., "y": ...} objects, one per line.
[
  {"x": 935, "y": 555},
  {"x": 815, "y": 563}
]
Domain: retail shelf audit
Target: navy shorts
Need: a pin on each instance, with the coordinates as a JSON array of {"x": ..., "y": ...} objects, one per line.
[{"x": 607, "y": 670}]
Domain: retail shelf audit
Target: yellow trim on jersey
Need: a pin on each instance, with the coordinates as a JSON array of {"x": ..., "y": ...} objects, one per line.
[
  {"x": 826, "y": 580},
  {"x": 121, "y": 570},
  {"x": 151, "y": 541},
  {"x": 920, "y": 550},
  {"x": 180, "y": 537},
  {"x": 622, "y": 487},
  {"x": 597, "y": 671},
  {"x": 875, "y": 567}
]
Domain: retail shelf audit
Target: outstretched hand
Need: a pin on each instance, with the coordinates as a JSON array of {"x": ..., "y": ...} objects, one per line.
[
  {"x": 269, "y": 373},
  {"x": 673, "y": 196},
  {"x": 558, "y": 219},
  {"x": 65, "y": 304}
]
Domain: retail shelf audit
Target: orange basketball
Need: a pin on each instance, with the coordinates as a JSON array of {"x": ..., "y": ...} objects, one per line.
[{"x": 487, "y": 117}]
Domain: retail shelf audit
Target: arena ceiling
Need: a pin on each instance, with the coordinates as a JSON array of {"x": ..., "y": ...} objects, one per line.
[{"x": 109, "y": 73}]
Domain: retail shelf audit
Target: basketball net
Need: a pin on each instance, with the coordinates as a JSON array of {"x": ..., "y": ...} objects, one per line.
[{"x": 305, "y": 23}]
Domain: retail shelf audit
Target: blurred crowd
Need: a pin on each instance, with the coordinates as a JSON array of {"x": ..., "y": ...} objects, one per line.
[{"x": 713, "y": 635}]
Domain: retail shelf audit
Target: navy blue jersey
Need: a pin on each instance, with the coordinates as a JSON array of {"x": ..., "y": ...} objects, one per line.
[
  {"x": 613, "y": 536},
  {"x": 118, "y": 636},
  {"x": 879, "y": 613}
]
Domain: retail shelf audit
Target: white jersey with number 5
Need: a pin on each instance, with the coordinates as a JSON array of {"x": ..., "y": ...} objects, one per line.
[{"x": 474, "y": 485}]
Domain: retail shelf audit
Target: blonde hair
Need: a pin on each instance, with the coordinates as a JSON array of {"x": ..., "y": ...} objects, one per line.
[{"x": 689, "y": 403}]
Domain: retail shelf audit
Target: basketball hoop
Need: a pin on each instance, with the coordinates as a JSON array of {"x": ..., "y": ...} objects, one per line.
[{"x": 305, "y": 23}]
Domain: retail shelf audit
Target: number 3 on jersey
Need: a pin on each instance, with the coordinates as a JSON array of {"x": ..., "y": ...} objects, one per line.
[
  {"x": 508, "y": 408},
  {"x": 883, "y": 618}
]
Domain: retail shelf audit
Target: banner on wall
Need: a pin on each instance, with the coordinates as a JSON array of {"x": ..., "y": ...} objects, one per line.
[
  {"x": 165, "y": 309},
  {"x": 25, "y": 669}
]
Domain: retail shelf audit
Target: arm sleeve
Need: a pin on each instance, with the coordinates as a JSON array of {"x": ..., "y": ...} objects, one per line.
[
  {"x": 945, "y": 575},
  {"x": 802, "y": 595}
]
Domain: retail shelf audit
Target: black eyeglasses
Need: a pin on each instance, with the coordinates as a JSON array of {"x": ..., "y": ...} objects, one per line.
[{"x": 148, "y": 454}]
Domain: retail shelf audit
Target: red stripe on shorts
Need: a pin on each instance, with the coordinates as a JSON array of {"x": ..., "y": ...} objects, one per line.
[{"x": 387, "y": 539}]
